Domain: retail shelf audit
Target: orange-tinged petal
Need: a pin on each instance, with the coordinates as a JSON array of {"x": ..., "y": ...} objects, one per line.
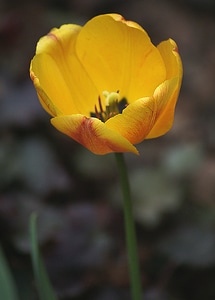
[
  {"x": 136, "y": 120},
  {"x": 58, "y": 38},
  {"x": 120, "y": 18},
  {"x": 165, "y": 97},
  {"x": 92, "y": 134},
  {"x": 119, "y": 55},
  {"x": 61, "y": 75}
]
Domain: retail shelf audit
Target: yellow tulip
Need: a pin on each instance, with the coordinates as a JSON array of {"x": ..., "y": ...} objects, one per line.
[{"x": 105, "y": 84}]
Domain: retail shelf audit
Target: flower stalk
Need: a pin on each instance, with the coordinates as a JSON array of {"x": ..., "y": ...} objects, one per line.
[{"x": 131, "y": 241}]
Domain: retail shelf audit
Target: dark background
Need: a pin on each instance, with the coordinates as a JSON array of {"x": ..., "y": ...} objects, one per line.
[{"x": 76, "y": 193}]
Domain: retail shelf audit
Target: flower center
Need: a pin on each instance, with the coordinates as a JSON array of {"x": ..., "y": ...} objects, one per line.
[{"x": 112, "y": 106}]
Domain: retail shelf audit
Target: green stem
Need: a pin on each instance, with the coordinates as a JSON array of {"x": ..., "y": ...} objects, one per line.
[{"x": 131, "y": 241}]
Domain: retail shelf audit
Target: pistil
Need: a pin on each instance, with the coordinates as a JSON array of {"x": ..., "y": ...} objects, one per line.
[
  {"x": 111, "y": 103},
  {"x": 112, "y": 106}
]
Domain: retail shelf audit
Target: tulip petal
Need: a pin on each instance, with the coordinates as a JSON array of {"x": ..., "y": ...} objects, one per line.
[
  {"x": 165, "y": 97},
  {"x": 64, "y": 36},
  {"x": 136, "y": 120},
  {"x": 61, "y": 75},
  {"x": 45, "y": 101},
  {"x": 169, "y": 52},
  {"x": 124, "y": 57},
  {"x": 92, "y": 134},
  {"x": 166, "y": 94}
]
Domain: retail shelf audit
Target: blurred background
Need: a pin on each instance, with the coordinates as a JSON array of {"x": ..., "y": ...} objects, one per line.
[{"x": 76, "y": 193}]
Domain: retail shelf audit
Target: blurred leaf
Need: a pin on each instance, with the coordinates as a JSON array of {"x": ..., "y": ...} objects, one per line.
[
  {"x": 43, "y": 283},
  {"x": 7, "y": 286},
  {"x": 154, "y": 195},
  {"x": 191, "y": 245},
  {"x": 184, "y": 159}
]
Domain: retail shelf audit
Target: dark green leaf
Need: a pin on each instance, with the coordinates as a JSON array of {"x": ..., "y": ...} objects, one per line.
[
  {"x": 7, "y": 286},
  {"x": 45, "y": 289}
]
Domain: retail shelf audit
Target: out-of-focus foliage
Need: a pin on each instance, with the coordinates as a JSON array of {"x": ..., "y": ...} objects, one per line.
[
  {"x": 43, "y": 284},
  {"x": 7, "y": 286}
]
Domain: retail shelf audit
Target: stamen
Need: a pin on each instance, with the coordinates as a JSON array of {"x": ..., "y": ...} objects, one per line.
[
  {"x": 97, "y": 113},
  {"x": 113, "y": 106},
  {"x": 100, "y": 104}
]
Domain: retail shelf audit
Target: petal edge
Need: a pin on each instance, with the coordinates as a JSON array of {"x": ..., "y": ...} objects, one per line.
[{"x": 92, "y": 134}]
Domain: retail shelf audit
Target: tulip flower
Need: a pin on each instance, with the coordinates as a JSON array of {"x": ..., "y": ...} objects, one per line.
[{"x": 105, "y": 84}]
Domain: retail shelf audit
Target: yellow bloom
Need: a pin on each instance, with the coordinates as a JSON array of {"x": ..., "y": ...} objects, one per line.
[{"x": 105, "y": 84}]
